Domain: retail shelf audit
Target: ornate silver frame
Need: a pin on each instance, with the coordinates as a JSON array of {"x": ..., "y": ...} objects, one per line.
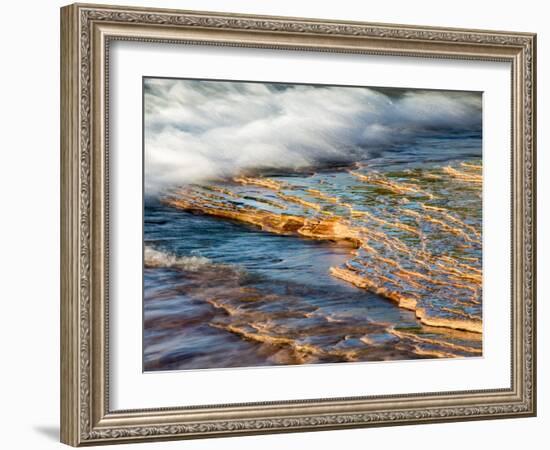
[{"x": 86, "y": 31}]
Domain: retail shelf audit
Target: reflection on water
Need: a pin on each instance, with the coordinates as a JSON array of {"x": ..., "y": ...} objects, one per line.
[{"x": 376, "y": 262}]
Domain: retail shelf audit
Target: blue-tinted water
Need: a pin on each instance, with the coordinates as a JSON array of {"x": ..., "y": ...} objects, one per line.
[
  {"x": 291, "y": 273},
  {"x": 222, "y": 293}
]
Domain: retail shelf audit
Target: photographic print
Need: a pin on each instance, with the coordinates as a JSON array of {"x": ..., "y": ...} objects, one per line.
[
  {"x": 315, "y": 206},
  {"x": 291, "y": 224}
]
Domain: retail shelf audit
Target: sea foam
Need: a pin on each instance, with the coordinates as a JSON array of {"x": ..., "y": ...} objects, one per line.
[{"x": 158, "y": 258}]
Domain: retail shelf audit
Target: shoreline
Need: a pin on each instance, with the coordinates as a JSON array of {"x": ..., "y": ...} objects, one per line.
[{"x": 318, "y": 223}]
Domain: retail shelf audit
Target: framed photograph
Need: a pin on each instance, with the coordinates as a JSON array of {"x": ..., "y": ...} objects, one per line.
[{"x": 276, "y": 224}]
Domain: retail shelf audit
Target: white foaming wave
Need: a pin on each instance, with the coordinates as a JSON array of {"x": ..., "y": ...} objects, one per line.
[
  {"x": 159, "y": 258},
  {"x": 197, "y": 131}
]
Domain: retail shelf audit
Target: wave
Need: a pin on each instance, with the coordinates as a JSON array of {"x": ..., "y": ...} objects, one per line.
[
  {"x": 154, "y": 258},
  {"x": 196, "y": 131}
]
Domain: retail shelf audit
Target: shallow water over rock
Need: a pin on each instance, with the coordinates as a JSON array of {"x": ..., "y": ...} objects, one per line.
[{"x": 376, "y": 262}]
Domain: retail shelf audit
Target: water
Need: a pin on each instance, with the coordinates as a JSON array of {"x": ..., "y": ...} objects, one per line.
[{"x": 229, "y": 281}]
